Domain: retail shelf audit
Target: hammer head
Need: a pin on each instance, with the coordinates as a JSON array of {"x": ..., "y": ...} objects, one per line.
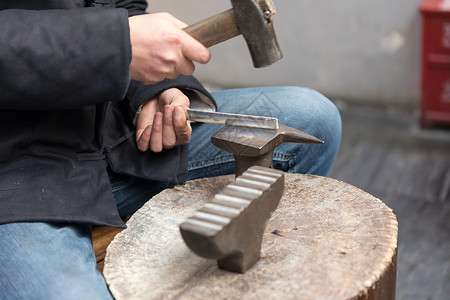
[{"x": 255, "y": 21}]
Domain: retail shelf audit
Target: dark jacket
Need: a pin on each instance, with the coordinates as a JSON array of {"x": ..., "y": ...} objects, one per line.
[{"x": 66, "y": 110}]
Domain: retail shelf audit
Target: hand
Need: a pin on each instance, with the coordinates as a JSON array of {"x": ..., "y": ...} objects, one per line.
[
  {"x": 161, "y": 49},
  {"x": 162, "y": 122}
]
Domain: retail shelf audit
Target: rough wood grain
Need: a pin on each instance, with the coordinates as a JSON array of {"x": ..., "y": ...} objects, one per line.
[{"x": 326, "y": 240}]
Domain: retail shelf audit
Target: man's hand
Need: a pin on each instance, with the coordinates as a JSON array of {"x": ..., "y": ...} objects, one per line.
[
  {"x": 162, "y": 122},
  {"x": 161, "y": 49}
]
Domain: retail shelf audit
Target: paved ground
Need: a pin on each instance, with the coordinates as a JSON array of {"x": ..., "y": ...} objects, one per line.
[{"x": 389, "y": 156}]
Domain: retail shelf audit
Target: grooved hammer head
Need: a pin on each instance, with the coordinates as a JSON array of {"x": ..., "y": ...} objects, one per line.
[{"x": 255, "y": 22}]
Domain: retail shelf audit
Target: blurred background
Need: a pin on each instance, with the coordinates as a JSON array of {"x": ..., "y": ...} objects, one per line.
[
  {"x": 361, "y": 51},
  {"x": 366, "y": 57}
]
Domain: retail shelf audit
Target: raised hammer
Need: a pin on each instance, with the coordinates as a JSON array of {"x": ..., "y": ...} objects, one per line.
[{"x": 251, "y": 18}]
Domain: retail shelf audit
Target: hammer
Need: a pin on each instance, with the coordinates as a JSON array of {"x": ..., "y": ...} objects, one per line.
[{"x": 251, "y": 18}]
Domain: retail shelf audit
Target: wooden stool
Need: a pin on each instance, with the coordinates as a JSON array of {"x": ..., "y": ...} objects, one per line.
[
  {"x": 102, "y": 236},
  {"x": 326, "y": 240}
]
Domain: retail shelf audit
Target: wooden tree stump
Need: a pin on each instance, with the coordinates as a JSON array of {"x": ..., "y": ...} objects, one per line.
[{"x": 326, "y": 240}]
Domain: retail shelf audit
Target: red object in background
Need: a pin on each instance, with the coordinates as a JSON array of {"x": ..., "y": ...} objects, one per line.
[{"x": 435, "y": 107}]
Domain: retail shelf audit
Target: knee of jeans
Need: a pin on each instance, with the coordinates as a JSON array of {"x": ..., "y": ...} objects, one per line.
[
  {"x": 310, "y": 111},
  {"x": 331, "y": 131},
  {"x": 313, "y": 113}
]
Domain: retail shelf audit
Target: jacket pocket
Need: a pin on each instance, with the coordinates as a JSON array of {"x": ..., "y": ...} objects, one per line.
[{"x": 14, "y": 175}]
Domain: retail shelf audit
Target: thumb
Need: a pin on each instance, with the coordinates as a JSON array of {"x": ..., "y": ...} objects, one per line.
[{"x": 194, "y": 50}]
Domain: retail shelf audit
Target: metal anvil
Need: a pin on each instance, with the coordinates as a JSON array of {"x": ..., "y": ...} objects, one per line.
[
  {"x": 254, "y": 146},
  {"x": 230, "y": 227}
]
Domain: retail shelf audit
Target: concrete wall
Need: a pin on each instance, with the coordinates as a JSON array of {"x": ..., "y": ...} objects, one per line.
[{"x": 358, "y": 50}]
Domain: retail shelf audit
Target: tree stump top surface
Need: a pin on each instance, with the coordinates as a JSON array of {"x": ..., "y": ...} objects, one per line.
[{"x": 326, "y": 240}]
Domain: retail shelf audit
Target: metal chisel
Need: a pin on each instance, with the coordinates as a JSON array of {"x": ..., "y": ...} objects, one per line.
[{"x": 231, "y": 119}]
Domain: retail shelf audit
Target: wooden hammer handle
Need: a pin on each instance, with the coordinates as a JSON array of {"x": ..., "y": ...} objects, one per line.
[{"x": 215, "y": 29}]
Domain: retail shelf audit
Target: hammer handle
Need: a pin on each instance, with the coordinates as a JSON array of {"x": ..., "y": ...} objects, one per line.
[{"x": 215, "y": 29}]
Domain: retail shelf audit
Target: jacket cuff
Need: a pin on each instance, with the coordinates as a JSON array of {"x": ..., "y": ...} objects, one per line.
[{"x": 139, "y": 93}]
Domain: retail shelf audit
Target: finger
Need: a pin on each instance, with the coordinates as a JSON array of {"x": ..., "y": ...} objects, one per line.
[
  {"x": 168, "y": 133},
  {"x": 144, "y": 139},
  {"x": 166, "y": 67},
  {"x": 173, "y": 75},
  {"x": 182, "y": 126},
  {"x": 156, "y": 136},
  {"x": 185, "y": 67},
  {"x": 194, "y": 50},
  {"x": 147, "y": 112},
  {"x": 182, "y": 65},
  {"x": 145, "y": 118}
]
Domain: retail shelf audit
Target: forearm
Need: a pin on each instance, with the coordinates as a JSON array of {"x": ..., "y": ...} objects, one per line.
[{"x": 62, "y": 59}]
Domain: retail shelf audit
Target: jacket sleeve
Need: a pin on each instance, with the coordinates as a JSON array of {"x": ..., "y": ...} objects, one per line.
[
  {"x": 138, "y": 93},
  {"x": 134, "y": 7},
  {"x": 63, "y": 59}
]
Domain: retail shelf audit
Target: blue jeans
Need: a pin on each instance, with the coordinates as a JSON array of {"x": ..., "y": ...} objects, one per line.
[
  {"x": 300, "y": 108},
  {"x": 55, "y": 261}
]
